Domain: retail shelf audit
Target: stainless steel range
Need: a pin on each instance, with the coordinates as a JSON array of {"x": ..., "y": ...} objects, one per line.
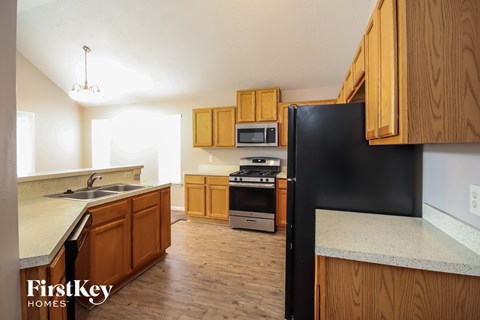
[{"x": 252, "y": 194}]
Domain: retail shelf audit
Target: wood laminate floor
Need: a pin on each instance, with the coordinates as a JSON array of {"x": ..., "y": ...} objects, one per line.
[{"x": 211, "y": 272}]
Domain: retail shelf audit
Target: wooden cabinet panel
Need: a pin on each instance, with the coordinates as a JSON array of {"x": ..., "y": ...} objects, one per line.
[
  {"x": 202, "y": 127},
  {"x": 281, "y": 215},
  {"x": 372, "y": 79},
  {"x": 358, "y": 65},
  {"x": 195, "y": 199},
  {"x": 388, "y": 106},
  {"x": 283, "y": 124},
  {"x": 165, "y": 219},
  {"x": 222, "y": 181},
  {"x": 359, "y": 290},
  {"x": 110, "y": 252},
  {"x": 218, "y": 201},
  {"x": 112, "y": 211},
  {"x": 56, "y": 270},
  {"x": 58, "y": 308},
  {"x": 145, "y": 235},
  {"x": 246, "y": 106},
  {"x": 348, "y": 87},
  {"x": 266, "y": 102},
  {"x": 195, "y": 179},
  {"x": 224, "y": 127},
  {"x": 145, "y": 201}
]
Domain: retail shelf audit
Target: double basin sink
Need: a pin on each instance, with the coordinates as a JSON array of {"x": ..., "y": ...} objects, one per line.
[{"x": 84, "y": 194}]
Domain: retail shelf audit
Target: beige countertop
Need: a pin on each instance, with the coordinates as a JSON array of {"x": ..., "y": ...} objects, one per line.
[
  {"x": 221, "y": 173},
  {"x": 391, "y": 240},
  {"x": 282, "y": 175},
  {"x": 45, "y": 223}
]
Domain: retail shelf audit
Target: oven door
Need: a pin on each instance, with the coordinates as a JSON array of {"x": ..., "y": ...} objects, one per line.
[{"x": 252, "y": 198}]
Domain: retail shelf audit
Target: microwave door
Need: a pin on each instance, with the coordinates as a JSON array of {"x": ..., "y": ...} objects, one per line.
[{"x": 251, "y": 135}]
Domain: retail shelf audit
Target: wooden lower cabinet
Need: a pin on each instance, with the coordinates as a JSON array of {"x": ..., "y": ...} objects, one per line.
[
  {"x": 207, "y": 197},
  {"x": 281, "y": 215},
  {"x": 125, "y": 239},
  {"x": 109, "y": 244},
  {"x": 38, "y": 307},
  {"x": 346, "y": 289}
]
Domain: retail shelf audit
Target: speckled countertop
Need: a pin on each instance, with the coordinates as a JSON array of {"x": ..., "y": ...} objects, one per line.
[
  {"x": 391, "y": 240},
  {"x": 45, "y": 223},
  {"x": 282, "y": 175}
]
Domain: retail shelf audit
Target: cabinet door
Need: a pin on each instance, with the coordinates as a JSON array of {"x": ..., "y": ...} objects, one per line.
[
  {"x": 224, "y": 127},
  {"x": 110, "y": 252},
  {"x": 202, "y": 127},
  {"x": 283, "y": 124},
  {"x": 165, "y": 219},
  {"x": 387, "y": 25},
  {"x": 246, "y": 106},
  {"x": 358, "y": 66},
  {"x": 195, "y": 199},
  {"x": 372, "y": 78},
  {"x": 266, "y": 102},
  {"x": 145, "y": 235},
  {"x": 58, "y": 308},
  {"x": 281, "y": 214},
  {"x": 348, "y": 85},
  {"x": 217, "y": 198}
]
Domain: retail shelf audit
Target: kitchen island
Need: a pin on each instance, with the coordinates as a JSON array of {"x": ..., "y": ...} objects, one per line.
[{"x": 377, "y": 266}]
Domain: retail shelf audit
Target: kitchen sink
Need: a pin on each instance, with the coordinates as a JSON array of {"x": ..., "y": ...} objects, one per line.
[
  {"x": 121, "y": 187},
  {"x": 84, "y": 195},
  {"x": 99, "y": 192}
]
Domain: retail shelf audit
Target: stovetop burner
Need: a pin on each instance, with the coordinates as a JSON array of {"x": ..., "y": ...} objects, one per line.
[{"x": 254, "y": 173}]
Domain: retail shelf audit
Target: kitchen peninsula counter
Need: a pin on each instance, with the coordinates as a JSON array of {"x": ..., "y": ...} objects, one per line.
[
  {"x": 45, "y": 223},
  {"x": 392, "y": 240}
]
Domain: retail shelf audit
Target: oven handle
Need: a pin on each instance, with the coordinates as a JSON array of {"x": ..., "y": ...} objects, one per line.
[{"x": 252, "y": 185}]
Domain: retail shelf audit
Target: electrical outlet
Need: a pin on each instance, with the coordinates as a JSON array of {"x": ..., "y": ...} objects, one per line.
[
  {"x": 210, "y": 159},
  {"x": 475, "y": 199}
]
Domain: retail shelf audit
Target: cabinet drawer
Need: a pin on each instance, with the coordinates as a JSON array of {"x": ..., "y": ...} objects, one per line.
[
  {"x": 195, "y": 179},
  {"x": 113, "y": 211},
  {"x": 145, "y": 201},
  {"x": 56, "y": 269},
  {"x": 282, "y": 183},
  {"x": 223, "y": 181}
]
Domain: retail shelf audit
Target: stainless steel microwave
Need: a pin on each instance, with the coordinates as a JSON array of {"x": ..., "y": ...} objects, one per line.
[{"x": 256, "y": 134}]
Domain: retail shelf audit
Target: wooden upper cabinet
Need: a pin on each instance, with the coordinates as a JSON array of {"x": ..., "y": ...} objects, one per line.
[
  {"x": 224, "y": 126},
  {"x": 202, "y": 127},
  {"x": 246, "y": 106},
  {"x": 266, "y": 102},
  {"x": 372, "y": 79},
  {"x": 214, "y": 127},
  {"x": 388, "y": 106},
  {"x": 258, "y": 105},
  {"x": 348, "y": 86},
  {"x": 358, "y": 65}
]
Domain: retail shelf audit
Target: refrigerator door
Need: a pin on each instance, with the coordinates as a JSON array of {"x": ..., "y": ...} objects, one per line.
[
  {"x": 291, "y": 154},
  {"x": 336, "y": 169}
]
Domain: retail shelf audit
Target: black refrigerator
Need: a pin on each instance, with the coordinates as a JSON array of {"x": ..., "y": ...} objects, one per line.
[{"x": 331, "y": 166}]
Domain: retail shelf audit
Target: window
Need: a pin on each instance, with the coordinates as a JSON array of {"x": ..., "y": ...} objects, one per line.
[
  {"x": 148, "y": 136},
  {"x": 25, "y": 143},
  {"x": 101, "y": 143}
]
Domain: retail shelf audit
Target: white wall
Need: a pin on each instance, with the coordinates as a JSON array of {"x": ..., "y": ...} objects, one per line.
[
  {"x": 9, "y": 276},
  {"x": 448, "y": 171},
  {"x": 57, "y": 119},
  {"x": 191, "y": 157}
]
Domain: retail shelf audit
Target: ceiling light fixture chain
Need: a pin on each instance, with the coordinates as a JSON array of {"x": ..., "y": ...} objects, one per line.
[{"x": 77, "y": 87}]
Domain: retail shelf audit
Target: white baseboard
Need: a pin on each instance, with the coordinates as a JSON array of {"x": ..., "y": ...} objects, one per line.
[{"x": 175, "y": 208}]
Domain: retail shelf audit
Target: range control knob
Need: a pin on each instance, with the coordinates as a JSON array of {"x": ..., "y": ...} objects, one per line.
[
  {"x": 266, "y": 179},
  {"x": 240, "y": 179},
  {"x": 261, "y": 179},
  {"x": 235, "y": 179}
]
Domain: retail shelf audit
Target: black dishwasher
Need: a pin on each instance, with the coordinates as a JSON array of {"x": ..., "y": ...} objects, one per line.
[{"x": 73, "y": 245}]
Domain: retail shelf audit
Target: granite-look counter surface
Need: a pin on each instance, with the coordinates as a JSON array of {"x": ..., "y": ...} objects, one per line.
[
  {"x": 282, "y": 175},
  {"x": 45, "y": 223},
  {"x": 391, "y": 240}
]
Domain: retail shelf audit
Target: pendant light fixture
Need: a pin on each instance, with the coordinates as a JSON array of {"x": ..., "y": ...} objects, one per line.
[{"x": 79, "y": 91}]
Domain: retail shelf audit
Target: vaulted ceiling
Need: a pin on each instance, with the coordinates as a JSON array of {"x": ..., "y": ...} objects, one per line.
[{"x": 148, "y": 50}]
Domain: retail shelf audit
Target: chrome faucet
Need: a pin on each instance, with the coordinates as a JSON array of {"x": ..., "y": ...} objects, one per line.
[{"x": 91, "y": 180}]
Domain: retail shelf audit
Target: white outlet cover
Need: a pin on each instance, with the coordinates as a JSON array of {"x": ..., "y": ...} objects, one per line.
[{"x": 474, "y": 199}]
